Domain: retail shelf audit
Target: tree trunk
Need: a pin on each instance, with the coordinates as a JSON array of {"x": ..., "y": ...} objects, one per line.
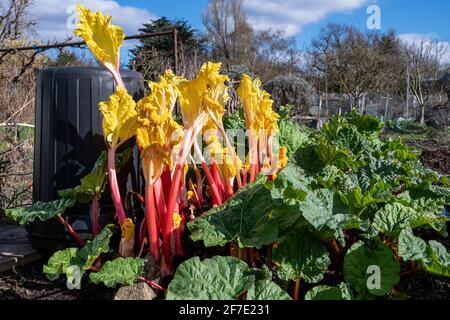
[
  {"x": 448, "y": 110},
  {"x": 422, "y": 115}
]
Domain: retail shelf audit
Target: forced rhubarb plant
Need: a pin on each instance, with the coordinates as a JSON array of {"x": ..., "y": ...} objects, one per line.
[
  {"x": 346, "y": 204},
  {"x": 293, "y": 212}
]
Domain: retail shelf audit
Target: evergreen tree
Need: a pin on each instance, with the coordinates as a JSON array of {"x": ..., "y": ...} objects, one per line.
[{"x": 154, "y": 55}]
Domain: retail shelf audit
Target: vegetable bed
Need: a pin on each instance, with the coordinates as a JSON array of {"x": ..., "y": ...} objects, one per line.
[{"x": 336, "y": 214}]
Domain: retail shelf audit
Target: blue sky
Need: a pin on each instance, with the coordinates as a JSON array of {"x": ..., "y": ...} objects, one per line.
[
  {"x": 405, "y": 16},
  {"x": 412, "y": 20}
]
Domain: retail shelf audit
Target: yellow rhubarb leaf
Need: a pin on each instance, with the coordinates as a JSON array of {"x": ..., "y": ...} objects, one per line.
[
  {"x": 282, "y": 158},
  {"x": 207, "y": 91},
  {"x": 176, "y": 219},
  {"x": 257, "y": 104},
  {"x": 157, "y": 132},
  {"x": 102, "y": 38},
  {"x": 127, "y": 229},
  {"x": 119, "y": 117}
]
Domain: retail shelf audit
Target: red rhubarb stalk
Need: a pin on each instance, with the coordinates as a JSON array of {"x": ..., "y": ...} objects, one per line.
[
  {"x": 152, "y": 226},
  {"x": 151, "y": 284},
  {"x": 297, "y": 289},
  {"x": 217, "y": 199},
  {"x": 115, "y": 192},
  {"x": 69, "y": 228},
  {"x": 166, "y": 182},
  {"x": 160, "y": 201},
  {"x": 168, "y": 220}
]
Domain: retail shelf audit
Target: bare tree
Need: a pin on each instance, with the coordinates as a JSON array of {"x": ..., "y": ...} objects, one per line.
[
  {"x": 423, "y": 61},
  {"x": 348, "y": 60},
  {"x": 17, "y": 80},
  {"x": 14, "y": 20},
  {"x": 275, "y": 55},
  {"x": 229, "y": 32}
]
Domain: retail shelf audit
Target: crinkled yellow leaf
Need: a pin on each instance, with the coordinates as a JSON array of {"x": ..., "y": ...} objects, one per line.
[
  {"x": 257, "y": 104},
  {"x": 127, "y": 229},
  {"x": 102, "y": 38},
  {"x": 190, "y": 196},
  {"x": 176, "y": 219},
  {"x": 119, "y": 117},
  {"x": 207, "y": 91},
  {"x": 157, "y": 132},
  {"x": 282, "y": 158}
]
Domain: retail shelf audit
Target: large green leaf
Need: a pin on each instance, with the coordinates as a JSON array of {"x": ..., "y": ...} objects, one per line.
[
  {"x": 292, "y": 136},
  {"x": 393, "y": 218},
  {"x": 362, "y": 259},
  {"x": 118, "y": 271},
  {"x": 248, "y": 218},
  {"x": 290, "y": 184},
  {"x": 344, "y": 135},
  {"x": 428, "y": 210},
  {"x": 357, "y": 201},
  {"x": 411, "y": 247},
  {"x": 301, "y": 256},
  {"x": 438, "y": 260},
  {"x": 39, "y": 210},
  {"x": 220, "y": 278},
  {"x": 93, "y": 249},
  {"x": 329, "y": 293},
  {"x": 59, "y": 262},
  {"x": 331, "y": 154},
  {"x": 82, "y": 258},
  {"x": 366, "y": 124},
  {"x": 324, "y": 211}
]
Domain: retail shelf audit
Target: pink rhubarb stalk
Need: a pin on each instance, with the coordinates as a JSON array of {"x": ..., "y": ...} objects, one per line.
[
  {"x": 69, "y": 229},
  {"x": 115, "y": 192},
  {"x": 152, "y": 225}
]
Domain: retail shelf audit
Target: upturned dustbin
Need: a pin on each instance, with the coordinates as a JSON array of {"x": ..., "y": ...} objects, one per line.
[{"x": 68, "y": 141}]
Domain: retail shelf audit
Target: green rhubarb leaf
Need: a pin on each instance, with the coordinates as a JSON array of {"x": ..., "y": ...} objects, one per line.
[
  {"x": 371, "y": 268},
  {"x": 82, "y": 258},
  {"x": 290, "y": 184},
  {"x": 328, "y": 177},
  {"x": 119, "y": 271},
  {"x": 329, "y": 293},
  {"x": 266, "y": 290},
  {"x": 220, "y": 278},
  {"x": 392, "y": 219},
  {"x": 301, "y": 256},
  {"x": 411, "y": 247},
  {"x": 318, "y": 207},
  {"x": 438, "y": 260},
  {"x": 366, "y": 124},
  {"x": 443, "y": 192},
  {"x": 39, "y": 210},
  {"x": 292, "y": 136},
  {"x": 59, "y": 262},
  {"x": 331, "y": 154},
  {"x": 325, "y": 212},
  {"x": 428, "y": 211},
  {"x": 358, "y": 201},
  {"x": 248, "y": 218},
  {"x": 93, "y": 249}
]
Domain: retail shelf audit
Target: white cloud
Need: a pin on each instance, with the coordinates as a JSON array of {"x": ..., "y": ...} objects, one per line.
[
  {"x": 417, "y": 38},
  {"x": 56, "y": 16},
  {"x": 292, "y": 15}
]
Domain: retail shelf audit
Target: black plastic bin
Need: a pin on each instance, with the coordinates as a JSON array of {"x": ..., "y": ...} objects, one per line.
[{"x": 68, "y": 141}]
